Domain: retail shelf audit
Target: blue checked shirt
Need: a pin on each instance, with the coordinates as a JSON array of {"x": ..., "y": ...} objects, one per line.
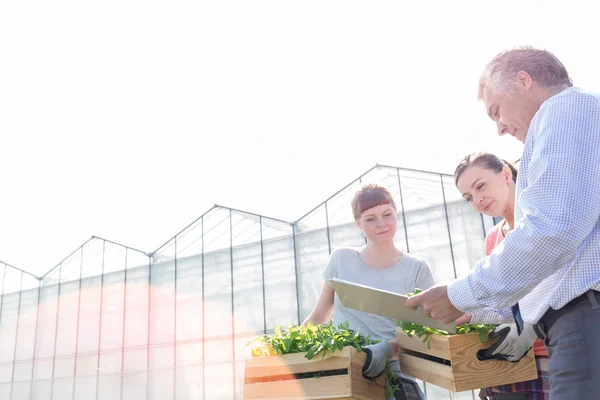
[{"x": 553, "y": 253}]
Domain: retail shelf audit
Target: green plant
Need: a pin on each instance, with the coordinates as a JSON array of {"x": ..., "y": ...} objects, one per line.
[
  {"x": 314, "y": 340},
  {"x": 426, "y": 332}
]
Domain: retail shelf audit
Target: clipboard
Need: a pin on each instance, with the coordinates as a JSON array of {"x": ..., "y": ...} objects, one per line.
[{"x": 384, "y": 303}]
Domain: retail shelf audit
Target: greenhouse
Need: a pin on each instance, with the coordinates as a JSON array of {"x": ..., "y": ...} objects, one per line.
[{"x": 113, "y": 322}]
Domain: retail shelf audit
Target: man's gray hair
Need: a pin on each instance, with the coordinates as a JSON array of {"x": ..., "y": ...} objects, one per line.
[{"x": 543, "y": 67}]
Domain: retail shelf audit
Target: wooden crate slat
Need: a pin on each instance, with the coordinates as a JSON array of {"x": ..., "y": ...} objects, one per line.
[
  {"x": 350, "y": 386},
  {"x": 428, "y": 371},
  {"x": 295, "y": 365},
  {"x": 439, "y": 346},
  {"x": 362, "y": 388},
  {"x": 328, "y": 387}
]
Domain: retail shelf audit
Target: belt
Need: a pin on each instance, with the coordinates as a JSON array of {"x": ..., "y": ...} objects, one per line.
[{"x": 551, "y": 316}]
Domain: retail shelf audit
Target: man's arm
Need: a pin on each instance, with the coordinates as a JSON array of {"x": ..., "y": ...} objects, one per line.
[{"x": 560, "y": 207}]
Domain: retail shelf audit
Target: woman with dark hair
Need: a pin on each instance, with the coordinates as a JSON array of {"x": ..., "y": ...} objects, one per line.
[
  {"x": 488, "y": 184},
  {"x": 377, "y": 264}
]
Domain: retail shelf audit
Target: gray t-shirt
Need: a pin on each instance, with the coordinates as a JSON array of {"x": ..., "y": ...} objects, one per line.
[{"x": 409, "y": 273}]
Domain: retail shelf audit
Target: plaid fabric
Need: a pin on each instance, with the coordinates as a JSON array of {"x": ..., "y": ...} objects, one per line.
[{"x": 538, "y": 389}]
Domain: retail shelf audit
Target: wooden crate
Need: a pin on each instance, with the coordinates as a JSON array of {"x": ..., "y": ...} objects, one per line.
[
  {"x": 274, "y": 377},
  {"x": 451, "y": 362}
]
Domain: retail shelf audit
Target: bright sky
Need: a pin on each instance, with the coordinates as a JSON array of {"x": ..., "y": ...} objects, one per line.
[{"x": 127, "y": 119}]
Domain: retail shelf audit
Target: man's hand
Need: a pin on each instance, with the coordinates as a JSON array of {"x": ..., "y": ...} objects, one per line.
[
  {"x": 377, "y": 356},
  {"x": 436, "y": 304},
  {"x": 510, "y": 346}
]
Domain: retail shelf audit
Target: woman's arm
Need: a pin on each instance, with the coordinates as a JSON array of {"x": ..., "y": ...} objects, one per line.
[{"x": 324, "y": 307}]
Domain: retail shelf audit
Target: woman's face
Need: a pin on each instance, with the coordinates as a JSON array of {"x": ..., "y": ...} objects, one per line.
[
  {"x": 378, "y": 223},
  {"x": 487, "y": 191}
]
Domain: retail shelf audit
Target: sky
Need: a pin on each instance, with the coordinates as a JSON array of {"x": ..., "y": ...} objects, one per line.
[{"x": 128, "y": 119}]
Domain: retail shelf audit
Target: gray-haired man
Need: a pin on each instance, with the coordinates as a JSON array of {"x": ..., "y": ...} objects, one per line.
[{"x": 548, "y": 268}]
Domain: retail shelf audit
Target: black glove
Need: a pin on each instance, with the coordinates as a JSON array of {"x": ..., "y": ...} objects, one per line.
[{"x": 510, "y": 345}]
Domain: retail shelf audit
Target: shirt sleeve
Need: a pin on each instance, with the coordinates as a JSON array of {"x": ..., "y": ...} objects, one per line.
[
  {"x": 330, "y": 270},
  {"x": 559, "y": 207},
  {"x": 425, "y": 278},
  {"x": 492, "y": 316}
]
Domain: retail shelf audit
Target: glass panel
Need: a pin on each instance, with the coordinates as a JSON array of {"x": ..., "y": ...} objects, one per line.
[
  {"x": 110, "y": 362},
  {"x": 134, "y": 386},
  {"x": 218, "y": 350},
  {"x": 113, "y": 303},
  {"x": 189, "y": 298},
  {"x": 339, "y": 209},
  {"x": 188, "y": 383},
  {"x": 27, "y": 318},
  {"x": 9, "y": 313},
  {"x": 466, "y": 228},
  {"x": 42, "y": 369},
  {"x": 70, "y": 269},
  {"x": 85, "y": 387},
  {"x": 217, "y": 274},
  {"x": 6, "y": 371},
  {"x": 62, "y": 389},
  {"x": 189, "y": 353},
  {"x": 216, "y": 230},
  {"x": 280, "y": 279},
  {"x": 242, "y": 351},
  {"x": 41, "y": 390},
  {"x": 189, "y": 242},
  {"x": 21, "y": 390},
  {"x": 312, "y": 254},
  {"x": 23, "y": 371},
  {"x": 136, "y": 307},
  {"x": 161, "y": 384},
  {"x": 68, "y": 308},
  {"x": 109, "y": 387},
  {"x": 88, "y": 334},
  {"x": 64, "y": 367},
  {"x": 5, "y": 390},
  {"x": 248, "y": 275},
  {"x": 218, "y": 381},
  {"x": 93, "y": 258},
  {"x": 86, "y": 365},
  {"x": 162, "y": 302},
  {"x": 135, "y": 360},
  {"x": 161, "y": 357},
  {"x": 46, "y": 321},
  {"x": 114, "y": 258},
  {"x": 165, "y": 254},
  {"x": 426, "y": 222}
]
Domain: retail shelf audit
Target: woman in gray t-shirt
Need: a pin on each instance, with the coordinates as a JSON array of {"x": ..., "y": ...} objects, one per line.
[{"x": 378, "y": 264}]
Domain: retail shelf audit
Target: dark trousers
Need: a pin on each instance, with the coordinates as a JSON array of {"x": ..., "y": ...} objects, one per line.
[{"x": 572, "y": 338}]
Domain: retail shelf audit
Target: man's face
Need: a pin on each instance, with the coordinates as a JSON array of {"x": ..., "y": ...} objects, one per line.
[{"x": 512, "y": 112}]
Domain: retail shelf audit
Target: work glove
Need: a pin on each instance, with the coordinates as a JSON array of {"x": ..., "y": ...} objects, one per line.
[
  {"x": 377, "y": 357},
  {"x": 510, "y": 345}
]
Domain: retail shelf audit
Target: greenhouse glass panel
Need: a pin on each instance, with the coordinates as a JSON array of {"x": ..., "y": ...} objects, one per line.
[
  {"x": 312, "y": 254},
  {"x": 426, "y": 222},
  {"x": 27, "y": 319},
  {"x": 188, "y": 383},
  {"x": 248, "y": 279},
  {"x": 466, "y": 228},
  {"x": 134, "y": 386},
  {"x": 161, "y": 384},
  {"x": 162, "y": 300},
  {"x": 281, "y": 298},
  {"x": 218, "y": 317},
  {"x": 137, "y": 300}
]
